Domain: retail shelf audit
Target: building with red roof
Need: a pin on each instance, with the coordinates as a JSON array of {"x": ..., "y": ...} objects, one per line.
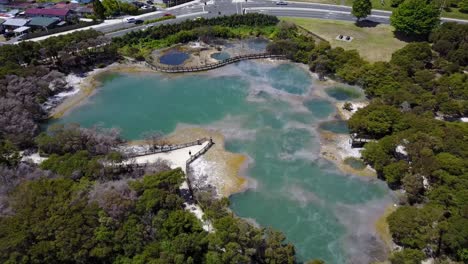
[{"x": 61, "y": 13}]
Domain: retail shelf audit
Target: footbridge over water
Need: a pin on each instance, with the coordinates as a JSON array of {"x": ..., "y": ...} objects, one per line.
[{"x": 215, "y": 65}]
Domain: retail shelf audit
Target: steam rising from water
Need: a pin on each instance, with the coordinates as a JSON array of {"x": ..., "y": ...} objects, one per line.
[
  {"x": 296, "y": 193},
  {"x": 361, "y": 243},
  {"x": 324, "y": 213}
]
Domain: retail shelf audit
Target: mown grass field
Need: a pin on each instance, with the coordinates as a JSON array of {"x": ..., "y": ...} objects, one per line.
[
  {"x": 373, "y": 43},
  {"x": 385, "y": 5}
]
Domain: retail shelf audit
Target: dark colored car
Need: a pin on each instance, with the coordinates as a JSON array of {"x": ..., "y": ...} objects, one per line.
[
  {"x": 138, "y": 21},
  {"x": 281, "y": 3}
]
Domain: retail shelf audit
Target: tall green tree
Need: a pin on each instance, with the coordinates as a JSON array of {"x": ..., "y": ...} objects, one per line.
[
  {"x": 361, "y": 8},
  {"x": 415, "y": 17},
  {"x": 99, "y": 9}
]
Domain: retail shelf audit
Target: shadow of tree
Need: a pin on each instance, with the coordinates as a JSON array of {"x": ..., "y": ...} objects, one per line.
[
  {"x": 409, "y": 38},
  {"x": 366, "y": 23}
]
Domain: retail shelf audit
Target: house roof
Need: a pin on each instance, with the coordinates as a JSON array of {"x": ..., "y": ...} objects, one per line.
[
  {"x": 21, "y": 29},
  {"x": 81, "y": 1},
  {"x": 43, "y": 21},
  {"x": 47, "y": 12},
  {"x": 66, "y": 5},
  {"x": 84, "y": 9},
  {"x": 16, "y": 22}
]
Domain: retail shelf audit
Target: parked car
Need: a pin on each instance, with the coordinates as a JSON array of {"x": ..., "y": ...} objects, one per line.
[{"x": 281, "y": 3}]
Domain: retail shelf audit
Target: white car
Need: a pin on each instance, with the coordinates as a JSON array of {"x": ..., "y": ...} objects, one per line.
[{"x": 130, "y": 20}]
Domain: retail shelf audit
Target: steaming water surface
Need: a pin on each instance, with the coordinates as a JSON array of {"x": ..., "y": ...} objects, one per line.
[{"x": 267, "y": 112}]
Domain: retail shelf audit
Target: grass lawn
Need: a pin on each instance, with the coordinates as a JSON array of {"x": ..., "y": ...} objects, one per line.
[
  {"x": 373, "y": 43},
  {"x": 385, "y": 5}
]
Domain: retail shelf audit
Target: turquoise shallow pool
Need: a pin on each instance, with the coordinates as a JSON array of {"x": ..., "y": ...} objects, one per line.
[
  {"x": 344, "y": 93},
  {"x": 266, "y": 112},
  {"x": 335, "y": 126},
  {"x": 220, "y": 56},
  {"x": 174, "y": 57}
]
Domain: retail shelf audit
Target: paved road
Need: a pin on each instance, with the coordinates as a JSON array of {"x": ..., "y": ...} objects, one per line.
[{"x": 213, "y": 8}]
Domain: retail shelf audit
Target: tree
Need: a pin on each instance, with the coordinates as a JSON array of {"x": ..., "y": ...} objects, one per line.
[
  {"x": 348, "y": 106},
  {"x": 395, "y": 171},
  {"x": 361, "y": 8},
  {"x": 52, "y": 223},
  {"x": 463, "y": 5},
  {"x": 99, "y": 9},
  {"x": 413, "y": 57},
  {"x": 416, "y": 17},
  {"x": 407, "y": 256},
  {"x": 376, "y": 121},
  {"x": 416, "y": 228},
  {"x": 413, "y": 185}
]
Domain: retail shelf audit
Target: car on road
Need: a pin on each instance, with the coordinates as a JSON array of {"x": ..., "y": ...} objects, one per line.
[
  {"x": 130, "y": 20},
  {"x": 167, "y": 14},
  {"x": 281, "y": 3},
  {"x": 138, "y": 21}
]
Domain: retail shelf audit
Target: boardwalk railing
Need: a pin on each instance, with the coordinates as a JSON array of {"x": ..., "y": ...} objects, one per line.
[
  {"x": 359, "y": 141},
  {"x": 199, "y": 153},
  {"x": 216, "y": 64},
  {"x": 168, "y": 148},
  {"x": 192, "y": 159}
]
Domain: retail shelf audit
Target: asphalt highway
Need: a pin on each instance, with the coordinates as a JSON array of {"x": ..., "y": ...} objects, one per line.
[
  {"x": 213, "y": 8},
  {"x": 228, "y": 7}
]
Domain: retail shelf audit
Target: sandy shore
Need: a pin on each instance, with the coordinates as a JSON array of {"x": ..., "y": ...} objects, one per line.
[
  {"x": 222, "y": 168},
  {"x": 336, "y": 148},
  {"x": 345, "y": 114}
]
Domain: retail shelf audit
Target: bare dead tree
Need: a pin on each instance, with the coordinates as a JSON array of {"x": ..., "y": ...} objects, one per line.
[{"x": 153, "y": 138}]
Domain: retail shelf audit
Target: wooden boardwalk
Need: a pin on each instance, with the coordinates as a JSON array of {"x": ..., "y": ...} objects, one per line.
[
  {"x": 166, "y": 148},
  {"x": 358, "y": 141},
  {"x": 215, "y": 65}
]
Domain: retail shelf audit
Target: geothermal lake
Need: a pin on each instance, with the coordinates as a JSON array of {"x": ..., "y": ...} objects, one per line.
[{"x": 271, "y": 113}]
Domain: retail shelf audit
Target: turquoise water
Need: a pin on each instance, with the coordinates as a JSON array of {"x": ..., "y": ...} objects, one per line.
[
  {"x": 355, "y": 163},
  {"x": 325, "y": 214},
  {"x": 174, "y": 57},
  {"x": 220, "y": 56},
  {"x": 320, "y": 108},
  {"x": 335, "y": 126},
  {"x": 344, "y": 93}
]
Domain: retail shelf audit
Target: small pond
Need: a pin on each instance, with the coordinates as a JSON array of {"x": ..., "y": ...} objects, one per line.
[
  {"x": 220, "y": 56},
  {"x": 355, "y": 163},
  {"x": 335, "y": 126},
  {"x": 257, "y": 44},
  {"x": 174, "y": 57},
  {"x": 344, "y": 93}
]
